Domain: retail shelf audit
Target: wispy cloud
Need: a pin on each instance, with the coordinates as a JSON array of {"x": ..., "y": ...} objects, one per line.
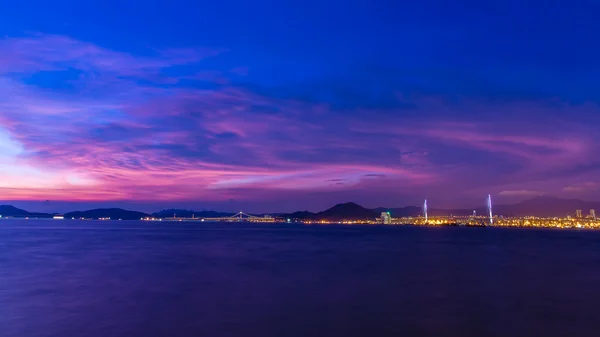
[
  {"x": 53, "y": 53},
  {"x": 138, "y": 126},
  {"x": 519, "y": 193},
  {"x": 374, "y": 175},
  {"x": 588, "y": 186}
]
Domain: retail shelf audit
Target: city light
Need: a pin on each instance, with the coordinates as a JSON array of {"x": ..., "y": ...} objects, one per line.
[{"x": 580, "y": 221}]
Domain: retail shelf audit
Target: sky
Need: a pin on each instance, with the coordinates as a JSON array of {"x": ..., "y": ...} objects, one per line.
[{"x": 268, "y": 106}]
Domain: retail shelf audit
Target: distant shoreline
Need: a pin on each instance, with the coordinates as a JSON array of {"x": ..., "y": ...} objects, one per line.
[{"x": 539, "y": 223}]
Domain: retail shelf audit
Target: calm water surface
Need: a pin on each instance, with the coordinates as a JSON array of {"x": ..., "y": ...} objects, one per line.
[{"x": 105, "y": 279}]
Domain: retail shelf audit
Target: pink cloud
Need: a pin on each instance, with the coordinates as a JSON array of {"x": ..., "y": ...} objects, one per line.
[
  {"x": 119, "y": 138},
  {"x": 588, "y": 186}
]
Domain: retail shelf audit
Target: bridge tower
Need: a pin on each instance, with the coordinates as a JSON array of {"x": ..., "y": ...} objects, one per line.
[{"x": 489, "y": 206}]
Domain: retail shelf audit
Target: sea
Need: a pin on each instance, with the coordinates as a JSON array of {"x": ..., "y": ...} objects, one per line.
[{"x": 131, "y": 278}]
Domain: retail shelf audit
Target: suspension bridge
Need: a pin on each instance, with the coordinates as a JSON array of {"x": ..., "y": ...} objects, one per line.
[
  {"x": 242, "y": 217},
  {"x": 237, "y": 217}
]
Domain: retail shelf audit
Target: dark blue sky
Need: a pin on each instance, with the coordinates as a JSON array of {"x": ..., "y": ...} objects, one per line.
[
  {"x": 426, "y": 95},
  {"x": 498, "y": 49}
]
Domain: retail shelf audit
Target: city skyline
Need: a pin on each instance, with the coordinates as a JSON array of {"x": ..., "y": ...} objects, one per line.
[
  {"x": 352, "y": 213},
  {"x": 542, "y": 206},
  {"x": 225, "y": 108}
]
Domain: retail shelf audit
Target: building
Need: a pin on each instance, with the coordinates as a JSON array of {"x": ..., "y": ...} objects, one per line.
[
  {"x": 386, "y": 218},
  {"x": 578, "y": 214},
  {"x": 593, "y": 214}
]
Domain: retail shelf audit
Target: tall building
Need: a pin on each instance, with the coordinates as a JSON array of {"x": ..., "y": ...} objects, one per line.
[
  {"x": 578, "y": 214},
  {"x": 593, "y": 214},
  {"x": 386, "y": 218}
]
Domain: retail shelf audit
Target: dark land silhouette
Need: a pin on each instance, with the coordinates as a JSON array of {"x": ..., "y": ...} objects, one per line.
[{"x": 543, "y": 206}]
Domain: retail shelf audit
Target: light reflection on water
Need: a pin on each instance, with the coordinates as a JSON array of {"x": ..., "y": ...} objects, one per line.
[{"x": 85, "y": 278}]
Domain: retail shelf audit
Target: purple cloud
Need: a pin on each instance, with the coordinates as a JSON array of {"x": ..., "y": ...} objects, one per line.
[{"x": 132, "y": 128}]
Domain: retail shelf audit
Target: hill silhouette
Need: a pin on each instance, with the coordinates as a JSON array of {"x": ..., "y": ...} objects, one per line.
[
  {"x": 180, "y": 213},
  {"x": 112, "y": 213},
  {"x": 299, "y": 215},
  {"x": 543, "y": 206},
  {"x": 346, "y": 211},
  {"x": 11, "y": 211}
]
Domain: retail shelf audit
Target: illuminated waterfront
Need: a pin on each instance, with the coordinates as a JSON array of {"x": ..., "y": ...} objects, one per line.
[
  {"x": 424, "y": 220},
  {"x": 499, "y": 221},
  {"x": 478, "y": 221}
]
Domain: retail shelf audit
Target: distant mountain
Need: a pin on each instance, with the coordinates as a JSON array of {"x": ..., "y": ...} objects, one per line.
[
  {"x": 112, "y": 213},
  {"x": 299, "y": 215},
  {"x": 169, "y": 213},
  {"x": 7, "y": 210},
  {"x": 543, "y": 206},
  {"x": 347, "y": 211},
  {"x": 180, "y": 213},
  {"x": 11, "y": 211}
]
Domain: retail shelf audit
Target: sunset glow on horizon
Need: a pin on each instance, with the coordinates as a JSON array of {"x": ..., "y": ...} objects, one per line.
[{"x": 92, "y": 115}]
